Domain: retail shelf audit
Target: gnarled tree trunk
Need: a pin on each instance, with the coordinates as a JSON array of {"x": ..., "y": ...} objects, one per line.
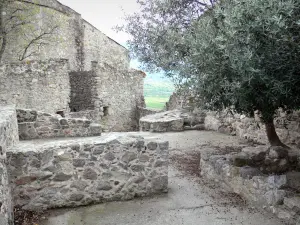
[{"x": 272, "y": 135}]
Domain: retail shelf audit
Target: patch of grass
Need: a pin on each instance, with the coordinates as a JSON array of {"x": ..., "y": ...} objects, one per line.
[{"x": 156, "y": 102}]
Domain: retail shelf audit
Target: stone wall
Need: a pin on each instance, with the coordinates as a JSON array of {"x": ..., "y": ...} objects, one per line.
[
  {"x": 67, "y": 173},
  {"x": 121, "y": 92},
  {"x": 40, "y": 85},
  {"x": 75, "y": 40},
  {"x": 275, "y": 193},
  {"x": 8, "y": 138},
  {"x": 287, "y": 126},
  {"x": 82, "y": 91},
  {"x": 146, "y": 111},
  {"x": 98, "y": 47},
  {"x": 38, "y": 125}
]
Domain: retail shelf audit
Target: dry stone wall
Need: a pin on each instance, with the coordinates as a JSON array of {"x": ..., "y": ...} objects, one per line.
[
  {"x": 75, "y": 40},
  {"x": 38, "y": 125},
  {"x": 40, "y": 85},
  {"x": 121, "y": 92},
  {"x": 82, "y": 91},
  {"x": 8, "y": 138},
  {"x": 287, "y": 126},
  {"x": 78, "y": 172},
  {"x": 276, "y": 193}
]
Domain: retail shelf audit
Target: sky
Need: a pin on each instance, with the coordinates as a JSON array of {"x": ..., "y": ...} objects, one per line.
[{"x": 106, "y": 14}]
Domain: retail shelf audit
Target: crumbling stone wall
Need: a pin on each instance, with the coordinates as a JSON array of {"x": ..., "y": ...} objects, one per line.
[
  {"x": 121, "y": 92},
  {"x": 287, "y": 125},
  {"x": 38, "y": 125},
  {"x": 98, "y": 47},
  {"x": 75, "y": 40},
  {"x": 8, "y": 138},
  {"x": 83, "y": 171},
  {"x": 40, "y": 85}
]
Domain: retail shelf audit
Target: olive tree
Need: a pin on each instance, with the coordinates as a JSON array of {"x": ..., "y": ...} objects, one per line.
[{"x": 242, "y": 54}]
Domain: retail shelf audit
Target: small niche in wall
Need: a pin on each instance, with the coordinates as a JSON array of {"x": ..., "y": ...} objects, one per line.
[
  {"x": 60, "y": 112},
  {"x": 105, "y": 110}
]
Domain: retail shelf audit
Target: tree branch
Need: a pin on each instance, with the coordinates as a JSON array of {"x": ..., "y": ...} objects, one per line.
[{"x": 34, "y": 41}]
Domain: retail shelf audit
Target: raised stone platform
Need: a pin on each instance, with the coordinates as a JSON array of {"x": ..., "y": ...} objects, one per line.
[
  {"x": 276, "y": 193},
  {"x": 175, "y": 120},
  {"x": 71, "y": 172}
]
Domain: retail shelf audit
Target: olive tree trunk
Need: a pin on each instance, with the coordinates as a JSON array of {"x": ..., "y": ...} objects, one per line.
[{"x": 272, "y": 135}]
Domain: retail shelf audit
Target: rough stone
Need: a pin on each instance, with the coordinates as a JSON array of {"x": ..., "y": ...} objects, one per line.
[
  {"x": 78, "y": 162},
  {"x": 152, "y": 145},
  {"x": 62, "y": 177},
  {"x": 76, "y": 197},
  {"x": 79, "y": 185},
  {"x": 104, "y": 185},
  {"x": 89, "y": 174}
]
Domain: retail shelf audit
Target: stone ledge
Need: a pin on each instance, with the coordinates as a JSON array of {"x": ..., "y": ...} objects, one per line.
[
  {"x": 38, "y": 125},
  {"x": 74, "y": 172},
  {"x": 270, "y": 192}
]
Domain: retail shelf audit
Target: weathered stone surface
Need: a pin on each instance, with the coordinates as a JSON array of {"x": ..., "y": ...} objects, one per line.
[
  {"x": 76, "y": 197},
  {"x": 277, "y": 152},
  {"x": 264, "y": 191},
  {"x": 129, "y": 156},
  {"x": 292, "y": 203},
  {"x": 248, "y": 172},
  {"x": 79, "y": 185},
  {"x": 256, "y": 154},
  {"x": 152, "y": 145},
  {"x": 109, "y": 156},
  {"x": 54, "y": 125},
  {"x": 71, "y": 168},
  {"x": 89, "y": 174},
  {"x": 8, "y": 138},
  {"x": 62, "y": 177},
  {"x": 104, "y": 185},
  {"x": 162, "y": 122},
  {"x": 79, "y": 162}
]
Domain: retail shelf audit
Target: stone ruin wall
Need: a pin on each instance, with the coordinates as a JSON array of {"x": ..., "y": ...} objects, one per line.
[
  {"x": 73, "y": 172},
  {"x": 75, "y": 88},
  {"x": 93, "y": 170},
  {"x": 122, "y": 93},
  {"x": 287, "y": 125},
  {"x": 76, "y": 40},
  {"x": 8, "y": 138},
  {"x": 39, "y": 85},
  {"x": 34, "y": 124}
]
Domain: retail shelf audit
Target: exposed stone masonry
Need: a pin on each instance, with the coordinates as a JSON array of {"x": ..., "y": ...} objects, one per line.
[
  {"x": 38, "y": 125},
  {"x": 8, "y": 138},
  {"x": 60, "y": 173},
  {"x": 82, "y": 91},
  {"x": 39, "y": 85}
]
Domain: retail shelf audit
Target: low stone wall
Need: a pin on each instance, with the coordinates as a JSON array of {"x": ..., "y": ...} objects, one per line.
[
  {"x": 287, "y": 126},
  {"x": 147, "y": 111},
  {"x": 271, "y": 192},
  {"x": 8, "y": 138},
  {"x": 37, "y": 125},
  {"x": 67, "y": 173}
]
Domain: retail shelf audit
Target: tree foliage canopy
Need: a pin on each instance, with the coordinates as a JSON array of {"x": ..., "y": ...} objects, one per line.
[{"x": 241, "y": 53}]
